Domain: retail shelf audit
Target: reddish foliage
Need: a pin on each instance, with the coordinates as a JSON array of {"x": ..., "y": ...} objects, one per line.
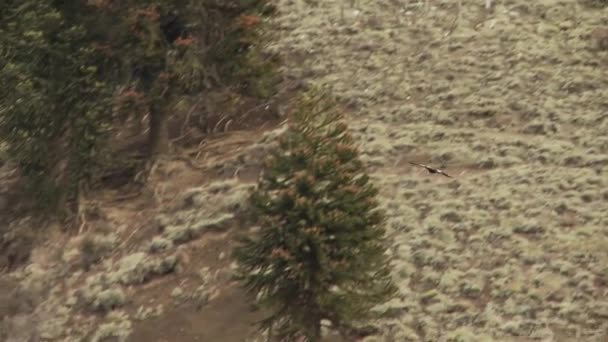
[
  {"x": 129, "y": 101},
  {"x": 103, "y": 49},
  {"x": 164, "y": 76},
  {"x": 101, "y": 4},
  {"x": 280, "y": 253},
  {"x": 151, "y": 13},
  {"x": 250, "y": 21},
  {"x": 185, "y": 41},
  {"x": 130, "y": 94}
]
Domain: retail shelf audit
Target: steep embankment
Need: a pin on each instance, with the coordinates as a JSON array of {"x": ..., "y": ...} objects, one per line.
[{"x": 152, "y": 267}]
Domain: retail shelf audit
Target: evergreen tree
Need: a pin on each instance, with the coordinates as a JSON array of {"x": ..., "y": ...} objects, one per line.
[
  {"x": 155, "y": 51},
  {"x": 320, "y": 250},
  {"x": 55, "y": 104},
  {"x": 168, "y": 50},
  {"x": 62, "y": 62}
]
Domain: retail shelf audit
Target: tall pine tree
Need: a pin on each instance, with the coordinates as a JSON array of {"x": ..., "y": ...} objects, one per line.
[{"x": 320, "y": 251}]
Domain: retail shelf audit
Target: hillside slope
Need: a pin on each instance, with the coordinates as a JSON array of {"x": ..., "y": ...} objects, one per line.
[{"x": 512, "y": 102}]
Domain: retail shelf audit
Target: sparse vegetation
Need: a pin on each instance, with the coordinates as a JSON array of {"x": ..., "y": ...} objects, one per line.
[
  {"x": 94, "y": 247},
  {"x": 107, "y": 300},
  {"x": 148, "y": 312},
  {"x": 139, "y": 267},
  {"x": 320, "y": 251},
  {"x": 117, "y": 328},
  {"x": 160, "y": 244},
  {"x": 16, "y": 243},
  {"x": 595, "y": 3},
  {"x": 512, "y": 102}
]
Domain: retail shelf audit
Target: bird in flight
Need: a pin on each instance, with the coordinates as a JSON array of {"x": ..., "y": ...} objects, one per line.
[{"x": 432, "y": 169}]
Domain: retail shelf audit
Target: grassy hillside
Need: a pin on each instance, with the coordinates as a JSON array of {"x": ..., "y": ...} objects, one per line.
[{"x": 512, "y": 102}]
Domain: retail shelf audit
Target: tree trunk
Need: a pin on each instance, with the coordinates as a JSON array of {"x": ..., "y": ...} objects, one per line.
[
  {"x": 159, "y": 133},
  {"x": 315, "y": 332},
  {"x": 269, "y": 337},
  {"x": 59, "y": 171}
]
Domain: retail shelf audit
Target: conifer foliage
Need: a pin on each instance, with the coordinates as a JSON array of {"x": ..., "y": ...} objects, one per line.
[
  {"x": 320, "y": 252},
  {"x": 72, "y": 73}
]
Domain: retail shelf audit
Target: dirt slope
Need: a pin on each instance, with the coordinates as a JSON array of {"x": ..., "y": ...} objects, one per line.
[
  {"x": 154, "y": 267},
  {"x": 512, "y": 102}
]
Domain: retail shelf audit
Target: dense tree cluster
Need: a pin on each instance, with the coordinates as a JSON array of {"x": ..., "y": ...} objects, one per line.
[
  {"x": 71, "y": 71},
  {"x": 54, "y": 104},
  {"x": 320, "y": 251}
]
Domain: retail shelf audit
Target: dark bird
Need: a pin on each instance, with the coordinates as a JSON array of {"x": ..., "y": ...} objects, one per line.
[{"x": 432, "y": 169}]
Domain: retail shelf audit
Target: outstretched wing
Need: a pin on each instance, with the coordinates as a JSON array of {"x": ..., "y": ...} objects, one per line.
[
  {"x": 445, "y": 174},
  {"x": 421, "y": 165},
  {"x": 432, "y": 169}
]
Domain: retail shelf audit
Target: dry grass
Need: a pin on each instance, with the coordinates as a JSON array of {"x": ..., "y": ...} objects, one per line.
[
  {"x": 514, "y": 248},
  {"x": 511, "y": 101}
]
